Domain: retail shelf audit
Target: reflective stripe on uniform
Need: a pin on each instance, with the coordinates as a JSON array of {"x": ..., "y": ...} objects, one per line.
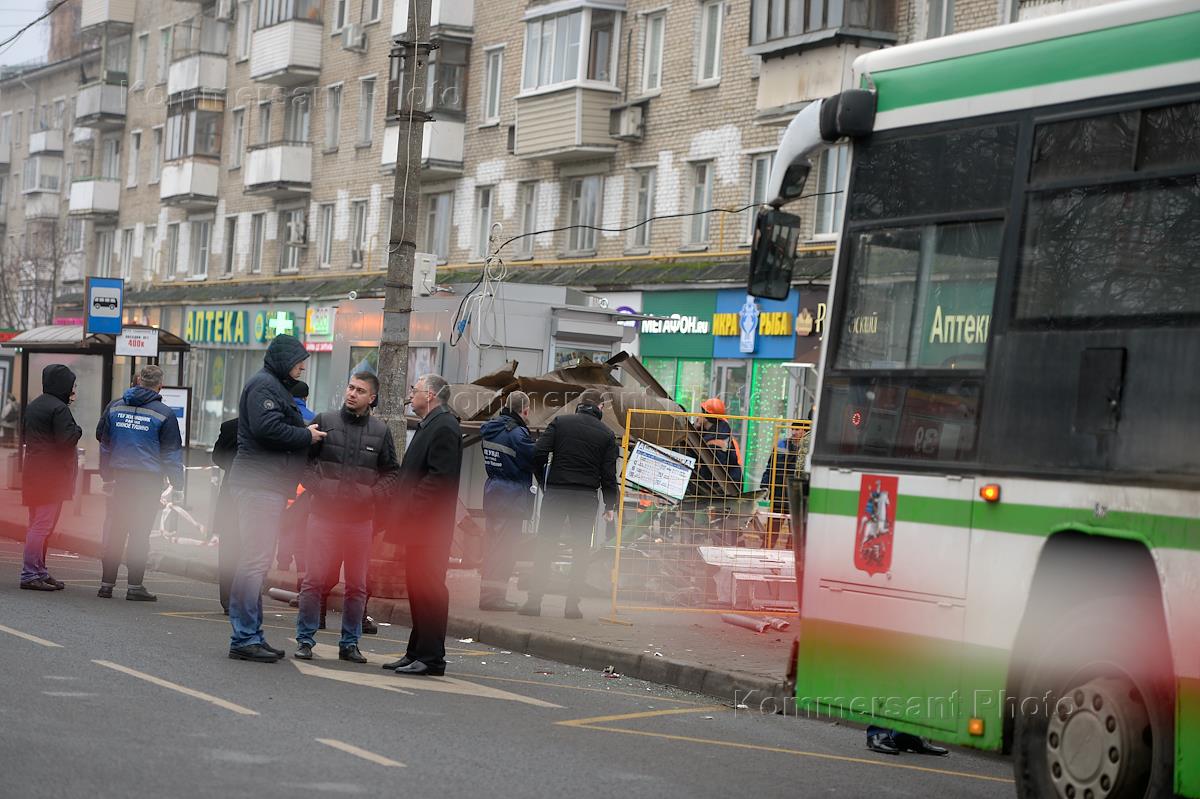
[{"x": 503, "y": 450}]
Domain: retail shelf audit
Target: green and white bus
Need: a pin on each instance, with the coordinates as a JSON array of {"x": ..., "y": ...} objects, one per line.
[{"x": 1003, "y": 532}]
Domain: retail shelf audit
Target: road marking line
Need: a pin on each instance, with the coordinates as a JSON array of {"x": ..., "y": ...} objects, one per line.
[
  {"x": 68, "y": 694},
  {"x": 363, "y": 753},
  {"x": 28, "y": 637},
  {"x": 150, "y": 678},
  {"x": 582, "y": 688},
  {"x": 580, "y": 724},
  {"x": 645, "y": 714}
]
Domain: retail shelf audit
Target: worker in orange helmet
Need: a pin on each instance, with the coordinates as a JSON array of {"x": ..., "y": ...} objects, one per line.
[{"x": 718, "y": 436}]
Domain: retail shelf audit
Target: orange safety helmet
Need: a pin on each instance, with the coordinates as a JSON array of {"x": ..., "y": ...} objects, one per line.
[{"x": 713, "y": 405}]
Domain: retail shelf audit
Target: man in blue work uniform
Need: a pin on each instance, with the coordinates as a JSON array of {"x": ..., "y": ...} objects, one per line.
[
  {"x": 507, "y": 501},
  {"x": 139, "y": 443}
]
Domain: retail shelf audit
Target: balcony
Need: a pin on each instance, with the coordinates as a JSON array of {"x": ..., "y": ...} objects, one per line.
[
  {"x": 278, "y": 169},
  {"x": 94, "y": 13},
  {"x": 95, "y": 197},
  {"x": 5, "y": 158},
  {"x": 445, "y": 14},
  {"x": 198, "y": 57},
  {"x": 441, "y": 149},
  {"x": 287, "y": 53},
  {"x": 568, "y": 124},
  {"x": 42, "y": 205},
  {"x": 101, "y": 106},
  {"x": 46, "y": 141},
  {"x": 189, "y": 183}
]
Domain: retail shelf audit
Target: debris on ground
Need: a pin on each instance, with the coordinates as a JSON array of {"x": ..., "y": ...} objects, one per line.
[
  {"x": 738, "y": 620},
  {"x": 777, "y": 623},
  {"x": 611, "y": 673},
  {"x": 544, "y": 673},
  {"x": 466, "y": 640}
]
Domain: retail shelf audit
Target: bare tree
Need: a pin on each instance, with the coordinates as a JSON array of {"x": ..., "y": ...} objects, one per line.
[{"x": 29, "y": 278}]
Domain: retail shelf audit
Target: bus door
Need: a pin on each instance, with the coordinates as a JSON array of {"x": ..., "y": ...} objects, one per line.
[{"x": 885, "y": 594}]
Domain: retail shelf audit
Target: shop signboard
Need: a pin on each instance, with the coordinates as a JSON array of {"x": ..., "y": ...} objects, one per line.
[
  {"x": 749, "y": 327},
  {"x": 238, "y": 326},
  {"x": 318, "y": 328},
  {"x": 683, "y": 328}
]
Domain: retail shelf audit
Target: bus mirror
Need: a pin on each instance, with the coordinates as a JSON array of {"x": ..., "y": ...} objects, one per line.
[
  {"x": 850, "y": 113},
  {"x": 794, "y": 179},
  {"x": 773, "y": 254}
]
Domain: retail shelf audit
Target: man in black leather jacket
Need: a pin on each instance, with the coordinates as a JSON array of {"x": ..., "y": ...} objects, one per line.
[{"x": 348, "y": 474}]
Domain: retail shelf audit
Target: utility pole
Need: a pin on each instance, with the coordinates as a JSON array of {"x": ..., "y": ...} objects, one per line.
[{"x": 413, "y": 48}]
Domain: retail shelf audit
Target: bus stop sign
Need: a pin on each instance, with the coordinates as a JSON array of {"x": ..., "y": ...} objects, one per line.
[{"x": 103, "y": 301}]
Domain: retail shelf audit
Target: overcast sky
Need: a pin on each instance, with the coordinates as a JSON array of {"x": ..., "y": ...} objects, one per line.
[{"x": 14, "y": 15}]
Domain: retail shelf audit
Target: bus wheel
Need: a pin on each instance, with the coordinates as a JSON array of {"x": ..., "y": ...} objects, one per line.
[{"x": 1095, "y": 712}]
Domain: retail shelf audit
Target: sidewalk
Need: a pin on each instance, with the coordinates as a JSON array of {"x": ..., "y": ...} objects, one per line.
[{"x": 692, "y": 650}]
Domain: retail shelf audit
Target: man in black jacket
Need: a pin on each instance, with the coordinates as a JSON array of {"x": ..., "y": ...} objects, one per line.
[
  {"x": 273, "y": 443},
  {"x": 423, "y": 518},
  {"x": 49, "y": 471},
  {"x": 582, "y": 454},
  {"x": 348, "y": 474}
]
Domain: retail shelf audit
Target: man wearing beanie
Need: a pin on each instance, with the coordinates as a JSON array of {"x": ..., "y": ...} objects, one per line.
[{"x": 273, "y": 443}]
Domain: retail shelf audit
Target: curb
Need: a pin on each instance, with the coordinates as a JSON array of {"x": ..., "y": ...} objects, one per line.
[{"x": 729, "y": 686}]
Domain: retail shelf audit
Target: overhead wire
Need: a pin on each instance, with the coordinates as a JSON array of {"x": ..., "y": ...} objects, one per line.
[{"x": 19, "y": 33}]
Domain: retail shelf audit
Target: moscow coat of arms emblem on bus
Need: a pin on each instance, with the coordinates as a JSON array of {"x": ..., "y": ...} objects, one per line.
[{"x": 876, "y": 523}]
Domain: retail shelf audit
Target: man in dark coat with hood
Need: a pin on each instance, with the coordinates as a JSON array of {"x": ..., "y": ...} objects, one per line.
[
  {"x": 507, "y": 501},
  {"x": 273, "y": 444},
  {"x": 50, "y": 435},
  {"x": 139, "y": 444}
]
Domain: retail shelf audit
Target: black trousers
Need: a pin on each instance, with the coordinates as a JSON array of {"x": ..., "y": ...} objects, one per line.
[
  {"x": 570, "y": 512},
  {"x": 428, "y": 599},
  {"x": 132, "y": 508},
  {"x": 228, "y": 551},
  {"x": 500, "y": 557}
]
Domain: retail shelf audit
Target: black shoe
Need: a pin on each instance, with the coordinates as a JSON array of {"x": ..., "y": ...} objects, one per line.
[
  {"x": 278, "y": 653},
  {"x": 321, "y": 623},
  {"x": 419, "y": 669},
  {"x": 59, "y": 585},
  {"x": 572, "y": 610},
  {"x": 397, "y": 664},
  {"x": 37, "y": 585},
  {"x": 139, "y": 593},
  {"x": 531, "y": 608},
  {"x": 498, "y": 605},
  {"x": 369, "y": 627},
  {"x": 105, "y": 592},
  {"x": 253, "y": 652},
  {"x": 351, "y": 654},
  {"x": 303, "y": 652},
  {"x": 883, "y": 742},
  {"x": 918, "y": 745}
]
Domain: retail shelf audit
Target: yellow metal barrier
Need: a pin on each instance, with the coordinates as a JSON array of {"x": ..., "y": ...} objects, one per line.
[{"x": 703, "y": 518}]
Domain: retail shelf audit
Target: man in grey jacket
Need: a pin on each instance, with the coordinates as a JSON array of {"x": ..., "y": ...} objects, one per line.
[{"x": 273, "y": 443}]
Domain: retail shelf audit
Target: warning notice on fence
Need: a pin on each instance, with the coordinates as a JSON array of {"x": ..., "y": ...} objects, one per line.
[{"x": 659, "y": 470}]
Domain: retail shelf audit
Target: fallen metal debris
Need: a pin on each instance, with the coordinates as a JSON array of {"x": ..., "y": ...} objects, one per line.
[{"x": 738, "y": 620}]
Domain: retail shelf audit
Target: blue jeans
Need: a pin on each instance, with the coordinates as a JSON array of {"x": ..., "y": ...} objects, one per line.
[
  {"x": 332, "y": 543},
  {"x": 42, "y": 519},
  {"x": 259, "y": 513}
]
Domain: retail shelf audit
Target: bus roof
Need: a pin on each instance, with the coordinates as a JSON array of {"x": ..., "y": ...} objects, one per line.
[{"x": 1112, "y": 49}]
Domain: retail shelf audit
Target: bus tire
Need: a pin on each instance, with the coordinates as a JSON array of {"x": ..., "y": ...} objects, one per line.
[{"x": 1095, "y": 705}]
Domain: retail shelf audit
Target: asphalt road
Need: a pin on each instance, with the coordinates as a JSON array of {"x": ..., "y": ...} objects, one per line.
[{"x": 109, "y": 698}]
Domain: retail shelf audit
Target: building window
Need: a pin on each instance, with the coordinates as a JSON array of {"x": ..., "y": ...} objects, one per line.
[
  {"x": 273, "y": 12},
  {"x": 585, "y": 213},
  {"x": 110, "y": 158},
  {"x": 74, "y": 234},
  {"x": 6, "y": 122},
  {"x": 230, "y": 242},
  {"x": 156, "y": 153},
  {"x": 143, "y": 54},
  {"x": 374, "y": 10},
  {"x": 652, "y": 52},
  {"x": 437, "y": 225},
  {"x": 242, "y": 33},
  {"x": 366, "y": 110},
  {"x": 164, "y": 53},
  {"x": 295, "y": 239},
  {"x": 148, "y": 249},
  {"x": 528, "y": 208},
  {"x": 386, "y": 238},
  {"x": 483, "y": 220},
  {"x": 939, "y": 20},
  {"x": 760, "y": 172},
  {"x": 104, "y": 251},
  {"x": 831, "y": 198},
  {"x": 171, "y": 254},
  {"x": 702, "y": 183},
  {"x": 558, "y": 47},
  {"x": 257, "y": 241},
  {"x": 445, "y": 82},
  {"x": 493, "y": 81},
  {"x": 341, "y": 14},
  {"x": 198, "y": 257},
  {"x": 43, "y": 173},
  {"x": 712, "y": 16},
  {"x": 238, "y": 125},
  {"x": 602, "y": 46},
  {"x": 358, "y": 232},
  {"x": 326, "y": 234},
  {"x": 297, "y": 118},
  {"x": 193, "y": 131},
  {"x": 643, "y": 208},
  {"x": 333, "y": 116},
  {"x": 135, "y": 149},
  {"x": 264, "y": 122}
]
